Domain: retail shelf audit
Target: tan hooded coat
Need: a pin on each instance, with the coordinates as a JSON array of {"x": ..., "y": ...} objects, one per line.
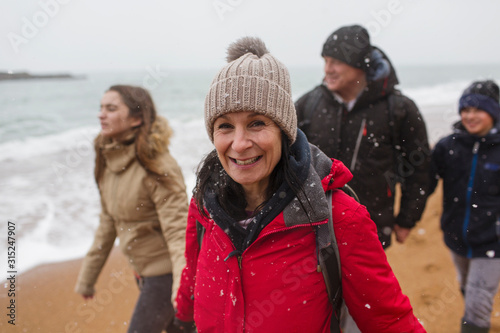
[{"x": 148, "y": 213}]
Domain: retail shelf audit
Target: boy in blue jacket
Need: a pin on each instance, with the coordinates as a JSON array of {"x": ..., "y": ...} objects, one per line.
[{"x": 468, "y": 161}]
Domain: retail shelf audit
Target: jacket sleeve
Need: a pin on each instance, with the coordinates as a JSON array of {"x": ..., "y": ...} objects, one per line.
[
  {"x": 437, "y": 166},
  {"x": 185, "y": 295},
  {"x": 413, "y": 165},
  {"x": 96, "y": 257},
  {"x": 370, "y": 289},
  {"x": 172, "y": 206}
]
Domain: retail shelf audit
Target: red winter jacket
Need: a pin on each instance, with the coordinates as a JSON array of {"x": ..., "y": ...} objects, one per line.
[{"x": 274, "y": 285}]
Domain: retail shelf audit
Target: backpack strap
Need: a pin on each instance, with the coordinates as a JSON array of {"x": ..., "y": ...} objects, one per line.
[
  {"x": 200, "y": 232},
  {"x": 350, "y": 192},
  {"x": 329, "y": 265}
]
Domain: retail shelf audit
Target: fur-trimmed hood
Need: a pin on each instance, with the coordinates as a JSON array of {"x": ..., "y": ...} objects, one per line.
[
  {"x": 160, "y": 134},
  {"x": 382, "y": 78}
]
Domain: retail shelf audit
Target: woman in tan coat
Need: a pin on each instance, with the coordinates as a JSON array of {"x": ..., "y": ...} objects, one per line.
[{"x": 144, "y": 204}]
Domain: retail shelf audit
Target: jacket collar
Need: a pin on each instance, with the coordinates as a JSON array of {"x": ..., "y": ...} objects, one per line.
[
  {"x": 119, "y": 155},
  {"x": 331, "y": 174}
]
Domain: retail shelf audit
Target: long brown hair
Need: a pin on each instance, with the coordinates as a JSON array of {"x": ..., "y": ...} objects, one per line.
[{"x": 152, "y": 135}]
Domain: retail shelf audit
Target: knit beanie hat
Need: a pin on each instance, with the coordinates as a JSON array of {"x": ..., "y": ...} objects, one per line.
[
  {"x": 350, "y": 44},
  {"x": 483, "y": 95},
  {"x": 253, "y": 80}
]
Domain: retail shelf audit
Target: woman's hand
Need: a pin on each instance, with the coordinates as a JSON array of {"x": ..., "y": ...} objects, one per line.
[
  {"x": 401, "y": 233},
  {"x": 179, "y": 326}
]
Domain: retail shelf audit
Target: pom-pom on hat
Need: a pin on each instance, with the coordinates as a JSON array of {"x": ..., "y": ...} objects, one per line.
[
  {"x": 483, "y": 95},
  {"x": 350, "y": 44},
  {"x": 253, "y": 80}
]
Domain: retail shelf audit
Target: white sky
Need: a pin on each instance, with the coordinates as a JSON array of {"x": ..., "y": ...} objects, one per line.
[{"x": 94, "y": 35}]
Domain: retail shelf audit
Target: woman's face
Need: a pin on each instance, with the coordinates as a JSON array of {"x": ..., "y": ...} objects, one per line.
[
  {"x": 114, "y": 117},
  {"x": 249, "y": 147}
]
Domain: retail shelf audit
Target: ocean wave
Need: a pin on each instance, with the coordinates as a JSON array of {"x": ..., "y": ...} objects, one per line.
[
  {"x": 53, "y": 198},
  {"x": 79, "y": 139},
  {"x": 439, "y": 94}
]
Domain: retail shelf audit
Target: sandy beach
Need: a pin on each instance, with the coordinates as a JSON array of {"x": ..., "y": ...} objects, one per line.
[{"x": 45, "y": 301}]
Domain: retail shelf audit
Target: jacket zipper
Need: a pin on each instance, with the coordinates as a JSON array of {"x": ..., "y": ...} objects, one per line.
[
  {"x": 358, "y": 143},
  {"x": 468, "y": 198},
  {"x": 114, "y": 186},
  {"x": 497, "y": 226},
  {"x": 338, "y": 131}
]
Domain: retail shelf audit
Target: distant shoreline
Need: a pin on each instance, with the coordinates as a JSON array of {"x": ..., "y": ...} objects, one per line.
[{"x": 4, "y": 76}]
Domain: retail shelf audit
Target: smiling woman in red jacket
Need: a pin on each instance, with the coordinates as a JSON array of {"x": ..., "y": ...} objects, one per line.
[{"x": 259, "y": 197}]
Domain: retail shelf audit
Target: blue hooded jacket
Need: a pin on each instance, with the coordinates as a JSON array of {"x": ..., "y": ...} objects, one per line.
[{"x": 470, "y": 168}]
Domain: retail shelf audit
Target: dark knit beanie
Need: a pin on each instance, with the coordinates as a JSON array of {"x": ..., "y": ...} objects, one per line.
[
  {"x": 483, "y": 95},
  {"x": 253, "y": 80},
  {"x": 350, "y": 44}
]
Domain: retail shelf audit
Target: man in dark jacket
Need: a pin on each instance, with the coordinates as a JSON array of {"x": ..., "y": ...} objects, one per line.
[{"x": 357, "y": 116}]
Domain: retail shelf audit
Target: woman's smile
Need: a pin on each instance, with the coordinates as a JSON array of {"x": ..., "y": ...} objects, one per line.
[{"x": 245, "y": 162}]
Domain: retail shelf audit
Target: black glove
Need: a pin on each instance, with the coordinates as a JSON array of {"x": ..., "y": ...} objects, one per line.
[{"x": 179, "y": 326}]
